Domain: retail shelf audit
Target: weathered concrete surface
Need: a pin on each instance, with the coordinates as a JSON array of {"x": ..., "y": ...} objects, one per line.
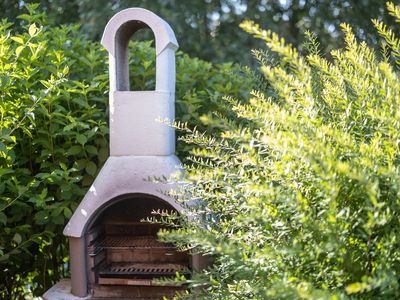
[
  {"x": 141, "y": 147},
  {"x": 62, "y": 291},
  {"x": 136, "y": 123},
  {"x": 124, "y": 175},
  {"x": 134, "y": 129}
]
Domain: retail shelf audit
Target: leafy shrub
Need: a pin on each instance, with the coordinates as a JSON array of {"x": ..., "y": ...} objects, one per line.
[
  {"x": 300, "y": 194},
  {"x": 54, "y": 136}
]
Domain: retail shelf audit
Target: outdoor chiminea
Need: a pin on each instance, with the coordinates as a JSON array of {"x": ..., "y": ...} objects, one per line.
[{"x": 112, "y": 253}]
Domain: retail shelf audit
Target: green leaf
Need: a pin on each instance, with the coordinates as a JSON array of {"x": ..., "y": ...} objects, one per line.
[
  {"x": 87, "y": 180},
  {"x": 91, "y": 168},
  {"x": 17, "y": 238},
  {"x": 24, "y": 17},
  {"x": 5, "y": 171},
  {"x": 17, "y": 39},
  {"x": 58, "y": 219},
  {"x": 32, "y": 30},
  {"x": 19, "y": 50},
  {"x": 41, "y": 217},
  {"x": 3, "y": 218},
  {"x": 67, "y": 212},
  {"x": 81, "y": 164},
  {"x": 63, "y": 167},
  {"x": 91, "y": 149},
  {"x": 103, "y": 154},
  {"x": 81, "y": 139},
  {"x": 46, "y": 83},
  {"x": 74, "y": 150}
]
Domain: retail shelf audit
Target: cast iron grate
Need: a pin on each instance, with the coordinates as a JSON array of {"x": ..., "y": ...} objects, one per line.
[
  {"x": 139, "y": 274},
  {"x": 144, "y": 270},
  {"x": 129, "y": 242}
]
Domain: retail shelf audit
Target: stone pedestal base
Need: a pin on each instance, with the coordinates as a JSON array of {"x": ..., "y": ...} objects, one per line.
[{"x": 62, "y": 291}]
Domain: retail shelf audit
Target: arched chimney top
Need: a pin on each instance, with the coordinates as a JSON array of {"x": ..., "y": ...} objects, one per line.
[{"x": 125, "y": 23}]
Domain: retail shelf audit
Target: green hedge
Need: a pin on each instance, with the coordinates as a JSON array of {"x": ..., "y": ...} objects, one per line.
[
  {"x": 301, "y": 193},
  {"x": 54, "y": 135}
]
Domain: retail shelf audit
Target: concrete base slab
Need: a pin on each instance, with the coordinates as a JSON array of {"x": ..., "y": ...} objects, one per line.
[{"x": 62, "y": 291}]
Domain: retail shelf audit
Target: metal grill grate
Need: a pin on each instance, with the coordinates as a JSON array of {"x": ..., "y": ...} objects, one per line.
[
  {"x": 130, "y": 242},
  {"x": 142, "y": 270}
]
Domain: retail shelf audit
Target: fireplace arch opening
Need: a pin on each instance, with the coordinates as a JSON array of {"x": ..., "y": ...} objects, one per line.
[{"x": 124, "y": 255}]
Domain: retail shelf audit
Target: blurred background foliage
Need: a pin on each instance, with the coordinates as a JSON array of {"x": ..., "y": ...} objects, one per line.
[{"x": 208, "y": 29}]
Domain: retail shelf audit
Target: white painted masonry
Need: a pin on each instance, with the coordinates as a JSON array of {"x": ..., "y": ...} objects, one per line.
[{"x": 140, "y": 145}]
